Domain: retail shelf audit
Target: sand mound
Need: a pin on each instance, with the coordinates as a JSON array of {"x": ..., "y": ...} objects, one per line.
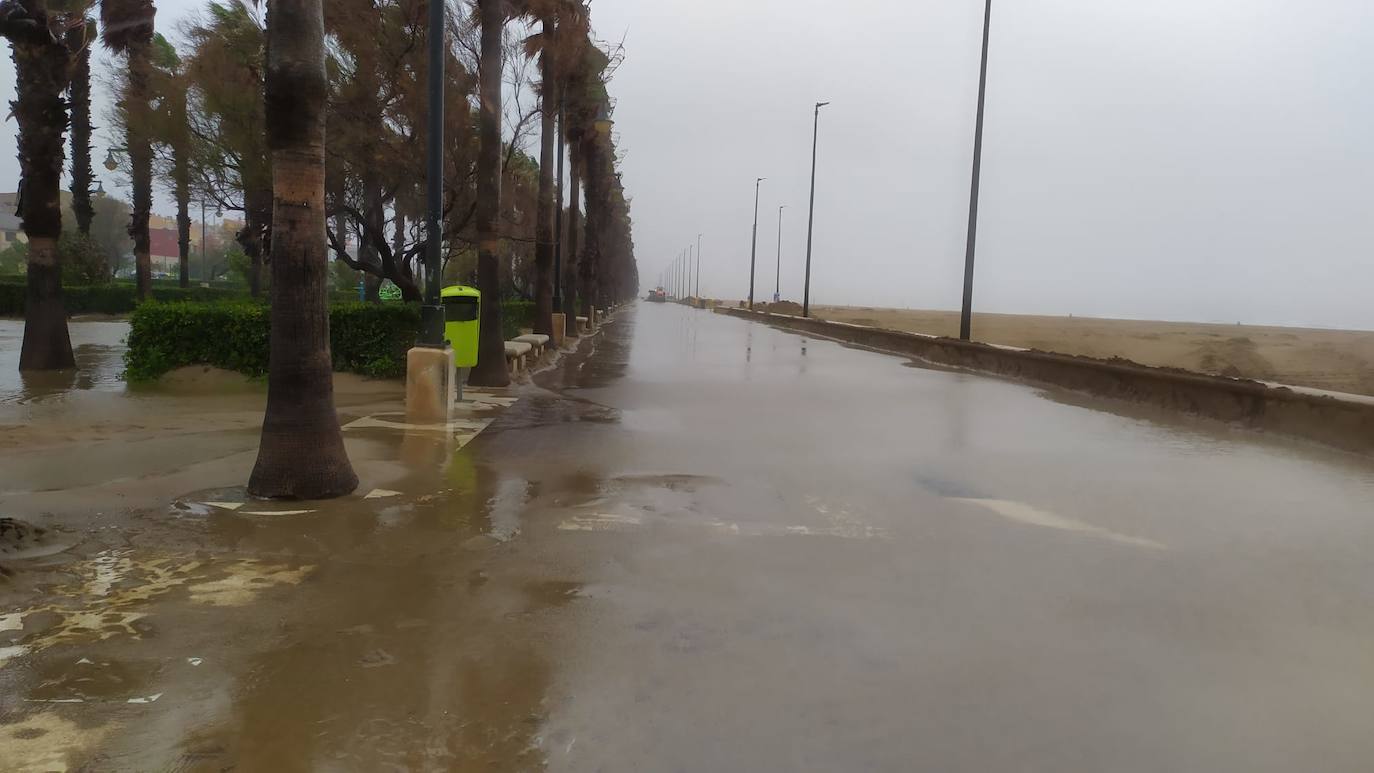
[
  {"x": 784, "y": 307},
  {"x": 202, "y": 378},
  {"x": 1236, "y": 357}
]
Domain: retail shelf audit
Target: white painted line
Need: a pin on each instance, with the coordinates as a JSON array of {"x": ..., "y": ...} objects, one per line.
[
  {"x": 1024, "y": 513},
  {"x": 601, "y": 522},
  {"x": 150, "y": 699},
  {"x": 224, "y": 505},
  {"x": 379, "y": 493},
  {"x": 277, "y": 512}
]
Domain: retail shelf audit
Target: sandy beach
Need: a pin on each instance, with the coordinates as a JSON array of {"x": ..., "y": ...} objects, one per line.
[{"x": 1339, "y": 360}]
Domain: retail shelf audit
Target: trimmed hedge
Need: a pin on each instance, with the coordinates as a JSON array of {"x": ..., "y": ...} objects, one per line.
[
  {"x": 110, "y": 299},
  {"x": 363, "y": 338},
  {"x": 119, "y": 298},
  {"x": 514, "y": 316}
]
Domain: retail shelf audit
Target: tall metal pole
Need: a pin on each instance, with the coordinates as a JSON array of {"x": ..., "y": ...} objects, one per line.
[
  {"x": 558, "y": 218},
  {"x": 204, "y": 264},
  {"x": 966, "y": 313},
  {"x": 811, "y": 217},
  {"x": 698, "y": 293},
  {"x": 432, "y": 314},
  {"x": 754, "y": 244},
  {"x": 689, "y": 271},
  {"x": 777, "y": 278}
]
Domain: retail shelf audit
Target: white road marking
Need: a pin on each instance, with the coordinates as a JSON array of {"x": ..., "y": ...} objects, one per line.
[
  {"x": 601, "y": 522},
  {"x": 379, "y": 493},
  {"x": 455, "y": 425},
  {"x": 1024, "y": 513},
  {"x": 224, "y": 505}
]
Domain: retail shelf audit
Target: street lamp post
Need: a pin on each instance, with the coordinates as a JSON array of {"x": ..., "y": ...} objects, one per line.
[
  {"x": 811, "y": 216},
  {"x": 689, "y": 270},
  {"x": 777, "y": 278},
  {"x": 432, "y": 313},
  {"x": 698, "y": 293},
  {"x": 966, "y": 313},
  {"x": 754, "y": 245}
]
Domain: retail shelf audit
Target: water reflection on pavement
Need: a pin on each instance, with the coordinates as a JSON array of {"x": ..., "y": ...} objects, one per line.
[{"x": 704, "y": 544}]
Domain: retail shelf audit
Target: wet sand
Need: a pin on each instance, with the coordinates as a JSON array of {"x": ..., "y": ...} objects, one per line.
[{"x": 1338, "y": 360}]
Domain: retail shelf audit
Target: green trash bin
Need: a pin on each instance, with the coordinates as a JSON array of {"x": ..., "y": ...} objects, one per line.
[{"x": 462, "y": 321}]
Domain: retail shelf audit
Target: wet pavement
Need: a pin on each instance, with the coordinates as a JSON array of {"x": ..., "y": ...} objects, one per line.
[{"x": 701, "y": 545}]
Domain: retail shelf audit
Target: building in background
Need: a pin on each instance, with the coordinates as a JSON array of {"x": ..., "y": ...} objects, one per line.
[{"x": 11, "y": 229}]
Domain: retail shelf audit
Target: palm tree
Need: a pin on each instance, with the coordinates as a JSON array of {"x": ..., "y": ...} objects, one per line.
[
  {"x": 127, "y": 28},
  {"x": 570, "y": 254},
  {"x": 302, "y": 454},
  {"x": 79, "y": 95},
  {"x": 491, "y": 348},
  {"x": 41, "y": 64},
  {"x": 173, "y": 131},
  {"x": 544, "y": 211}
]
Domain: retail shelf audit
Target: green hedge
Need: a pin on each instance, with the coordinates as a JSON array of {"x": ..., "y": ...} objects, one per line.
[
  {"x": 110, "y": 299},
  {"x": 122, "y": 298},
  {"x": 366, "y": 339},
  {"x": 516, "y": 315}
]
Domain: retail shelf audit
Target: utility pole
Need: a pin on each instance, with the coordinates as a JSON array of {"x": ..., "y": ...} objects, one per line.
[
  {"x": 811, "y": 217},
  {"x": 966, "y": 313},
  {"x": 777, "y": 278},
  {"x": 754, "y": 245}
]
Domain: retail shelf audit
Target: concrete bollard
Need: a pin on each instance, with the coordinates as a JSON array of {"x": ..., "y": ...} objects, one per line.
[
  {"x": 429, "y": 385},
  {"x": 559, "y": 329}
]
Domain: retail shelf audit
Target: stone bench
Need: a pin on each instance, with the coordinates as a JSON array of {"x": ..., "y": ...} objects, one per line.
[
  {"x": 516, "y": 352},
  {"x": 536, "y": 340}
]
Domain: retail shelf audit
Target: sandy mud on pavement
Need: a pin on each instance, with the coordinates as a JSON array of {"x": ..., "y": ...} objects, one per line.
[{"x": 153, "y": 617}]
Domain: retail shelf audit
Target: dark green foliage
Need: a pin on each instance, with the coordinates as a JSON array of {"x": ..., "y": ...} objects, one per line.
[
  {"x": 364, "y": 338},
  {"x": 111, "y": 298},
  {"x": 82, "y": 260},
  {"x": 163, "y": 336},
  {"x": 370, "y": 339},
  {"x": 515, "y": 317}
]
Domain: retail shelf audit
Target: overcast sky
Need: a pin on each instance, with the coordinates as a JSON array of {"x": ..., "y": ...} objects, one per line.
[{"x": 1177, "y": 159}]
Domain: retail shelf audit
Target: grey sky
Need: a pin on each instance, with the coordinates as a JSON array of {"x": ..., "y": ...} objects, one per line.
[{"x": 1178, "y": 159}]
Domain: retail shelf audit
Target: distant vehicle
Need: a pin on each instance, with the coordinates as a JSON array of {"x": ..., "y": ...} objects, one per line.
[{"x": 657, "y": 295}]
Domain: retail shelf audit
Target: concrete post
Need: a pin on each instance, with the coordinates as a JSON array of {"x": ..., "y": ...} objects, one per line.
[{"x": 430, "y": 385}]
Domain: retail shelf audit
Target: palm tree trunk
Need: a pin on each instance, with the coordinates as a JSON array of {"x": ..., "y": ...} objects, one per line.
[
  {"x": 587, "y": 264},
  {"x": 491, "y": 348},
  {"x": 40, "y": 68},
  {"x": 140, "y": 160},
  {"x": 80, "y": 94},
  {"x": 570, "y": 258},
  {"x": 544, "y": 209},
  {"x": 182, "y": 175},
  {"x": 302, "y": 454}
]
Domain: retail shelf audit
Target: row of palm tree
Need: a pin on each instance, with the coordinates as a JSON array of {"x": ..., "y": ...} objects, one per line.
[{"x": 306, "y": 116}]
